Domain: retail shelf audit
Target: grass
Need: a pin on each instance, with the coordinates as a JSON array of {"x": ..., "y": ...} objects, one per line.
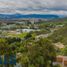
[{"x": 21, "y": 35}]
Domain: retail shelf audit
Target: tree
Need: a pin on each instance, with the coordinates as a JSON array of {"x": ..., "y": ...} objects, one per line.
[
  {"x": 39, "y": 53},
  {"x": 65, "y": 51}
]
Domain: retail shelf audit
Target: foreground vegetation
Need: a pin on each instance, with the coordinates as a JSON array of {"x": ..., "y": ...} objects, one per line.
[{"x": 35, "y": 52}]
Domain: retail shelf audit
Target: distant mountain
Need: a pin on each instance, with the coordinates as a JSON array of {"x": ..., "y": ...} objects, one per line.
[{"x": 20, "y": 16}]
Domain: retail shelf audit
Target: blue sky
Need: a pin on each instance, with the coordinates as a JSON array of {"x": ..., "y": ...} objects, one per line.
[{"x": 34, "y": 6}]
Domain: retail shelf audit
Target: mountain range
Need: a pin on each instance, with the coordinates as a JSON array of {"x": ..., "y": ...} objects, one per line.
[{"x": 20, "y": 16}]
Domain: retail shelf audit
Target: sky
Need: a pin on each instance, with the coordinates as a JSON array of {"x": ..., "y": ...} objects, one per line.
[{"x": 34, "y": 6}]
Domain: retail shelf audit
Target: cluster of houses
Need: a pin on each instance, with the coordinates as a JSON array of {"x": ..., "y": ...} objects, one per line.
[{"x": 61, "y": 60}]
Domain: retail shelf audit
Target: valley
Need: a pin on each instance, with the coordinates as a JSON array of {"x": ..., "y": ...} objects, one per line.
[{"x": 34, "y": 38}]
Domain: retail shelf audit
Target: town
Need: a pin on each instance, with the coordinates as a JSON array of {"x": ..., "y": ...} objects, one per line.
[{"x": 27, "y": 36}]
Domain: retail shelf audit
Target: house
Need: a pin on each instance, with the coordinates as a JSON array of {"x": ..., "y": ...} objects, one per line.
[{"x": 62, "y": 60}]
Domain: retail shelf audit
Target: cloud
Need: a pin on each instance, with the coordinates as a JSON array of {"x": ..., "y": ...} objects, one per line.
[{"x": 33, "y": 6}]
